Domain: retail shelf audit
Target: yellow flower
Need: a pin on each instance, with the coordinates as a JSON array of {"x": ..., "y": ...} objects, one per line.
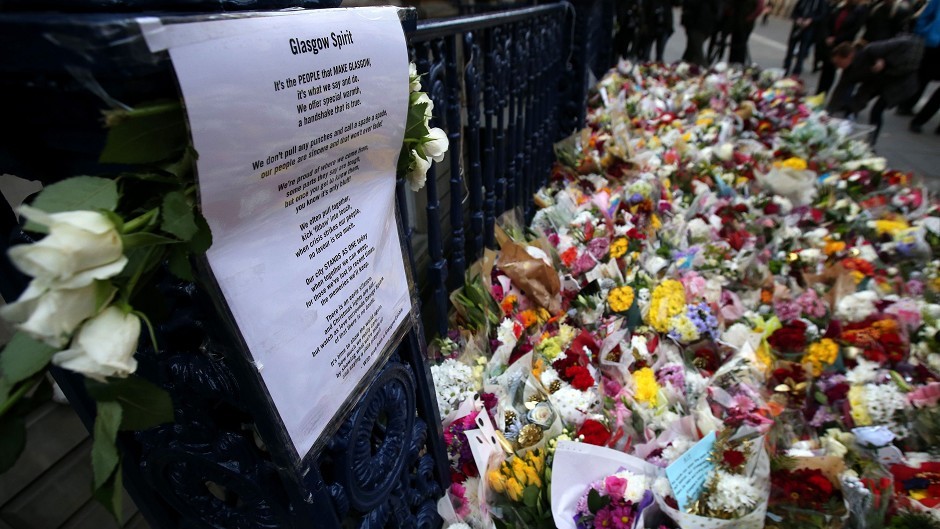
[
  {"x": 647, "y": 389},
  {"x": 821, "y": 354},
  {"x": 620, "y": 299},
  {"x": 514, "y": 489},
  {"x": 891, "y": 227},
  {"x": 536, "y": 458},
  {"x": 667, "y": 300},
  {"x": 793, "y": 162},
  {"x": 518, "y": 470},
  {"x": 655, "y": 223},
  {"x": 857, "y": 276},
  {"x": 859, "y": 410},
  {"x": 532, "y": 476},
  {"x": 508, "y": 304},
  {"x": 618, "y": 247},
  {"x": 496, "y": 480}
]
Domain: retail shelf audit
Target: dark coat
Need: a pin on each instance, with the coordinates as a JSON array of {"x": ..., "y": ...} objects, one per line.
[
  {"x": 814, "y": 9},
  {"x": 895, "y": 83},
  {"x": 658, "y": 15},
  {"x": 701, "y": 15},
  {"x": 852, "y": 22},
  {"x": 886, "y": 20}
]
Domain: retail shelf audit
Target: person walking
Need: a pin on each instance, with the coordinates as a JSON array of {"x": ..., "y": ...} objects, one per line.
[
  {"x": 807, "y": 16},
  {"x": 658, "y": 28},
  {"x": 927, "y": 26},
  {"x": 700, "y": 20},
  {"x": 883, "y": 70},
  {"x": 743, "y": 19},
  {"x": 843, "y": 24}
]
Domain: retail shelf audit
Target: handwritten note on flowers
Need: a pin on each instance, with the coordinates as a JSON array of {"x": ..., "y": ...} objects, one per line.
[{"x": 688, "y": 473}]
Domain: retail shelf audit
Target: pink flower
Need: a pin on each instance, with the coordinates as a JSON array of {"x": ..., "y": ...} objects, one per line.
[
  {"x": 694, "y": 285},
  {"x": 731, "y": 307},
  {"x": 925, "y": 396},
  {"x": 615, "y": 486}
]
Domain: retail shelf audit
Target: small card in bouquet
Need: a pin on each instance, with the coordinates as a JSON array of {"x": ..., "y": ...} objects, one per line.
[{"x": 688, "y": 473}]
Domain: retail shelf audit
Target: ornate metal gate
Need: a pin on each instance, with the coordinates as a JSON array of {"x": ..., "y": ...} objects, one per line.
[{"x": 505, "y": 87}]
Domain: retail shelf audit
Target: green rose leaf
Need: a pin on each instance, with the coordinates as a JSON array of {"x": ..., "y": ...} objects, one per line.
[
  {"x": 138, "y": 240},
  {"x": 111, "y": 494},
  {"x": 202, "y": 240},
  {"x": 144, "y": 404},
  {"x": 596, "y": 502},
  {"x": 23, "y": 357},
  {"x": 75, "y": 194},
  {"x": 178, "y": 264},
  {"x": 178, "y": 218},
  {"x": 146, "y": 134},
  {"x": 104, "y": 453},
  {"x": 530, "y": 496},
  {"x": 12, "y": 440}
]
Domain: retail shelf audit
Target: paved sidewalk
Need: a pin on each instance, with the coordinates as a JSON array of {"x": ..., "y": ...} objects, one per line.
[{"x": 906, "y": 151}]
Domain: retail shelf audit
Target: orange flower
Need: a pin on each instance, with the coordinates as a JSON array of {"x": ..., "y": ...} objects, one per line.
[
  {"x": 766, "y": 296},
  {"x": 834, "y": 247},
  {"x": 528, "y": 318},
  {"x": 508, "y": 304}
]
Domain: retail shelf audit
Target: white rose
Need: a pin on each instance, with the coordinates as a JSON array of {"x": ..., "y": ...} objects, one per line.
[
  {"x": 423, "y": 98},
  {"x": 435, "y": 145},
  {"x": 414, "y": 80},
  {"x": 104, "y": 346},
  {"x": 81, "y": 246},
  {"x": 725, "y": 152},
  {"x": 418, "y": 170},
  {"x": 51, "y": 315}
]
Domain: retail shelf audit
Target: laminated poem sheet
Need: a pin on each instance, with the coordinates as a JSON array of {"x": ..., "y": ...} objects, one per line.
[{"x": 298, "y": 119}]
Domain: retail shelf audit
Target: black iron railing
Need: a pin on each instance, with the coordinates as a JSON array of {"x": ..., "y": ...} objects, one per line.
[{"x": 506, "y": 86}]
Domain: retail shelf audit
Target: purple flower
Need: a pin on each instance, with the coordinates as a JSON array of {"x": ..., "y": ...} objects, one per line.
[
  {"x": 673, "y": 374},
  {"x": 598, "y": 247}
]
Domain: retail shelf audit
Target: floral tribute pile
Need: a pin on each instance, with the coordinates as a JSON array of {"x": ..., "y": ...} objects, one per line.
[{"x": 723, "y": 315}]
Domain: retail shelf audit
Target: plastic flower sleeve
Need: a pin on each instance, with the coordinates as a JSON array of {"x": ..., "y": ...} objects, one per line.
[
  {"x": 577, "y": 465},
  {"x": 752, "y": 520},
  {"x": 525, "y": 416}
]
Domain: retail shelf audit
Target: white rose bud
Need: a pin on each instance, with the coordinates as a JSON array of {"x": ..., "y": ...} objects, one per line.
[
  {"x": 51, "y": 315},
  {"x": 81, "y": 246},
  {"x": 436, "y": 144},
  {"x": 417, "y": 170},
  {"x": 414, "y": 80},
  {"x": 104, "y": 346}
]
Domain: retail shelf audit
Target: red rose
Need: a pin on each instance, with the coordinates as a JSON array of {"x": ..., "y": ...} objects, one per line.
[
  {"x": 789, "y": 338},
  {"x": 593, "y": 433},
  {"x": 579, "y": 377}
]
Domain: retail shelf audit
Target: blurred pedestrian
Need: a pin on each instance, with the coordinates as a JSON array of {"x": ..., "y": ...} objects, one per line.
[
  {"x": 886, "y": 19},
  {"x": 843, "y": 25},
  {"x": 883, "y": 70},
  {"x": 743, "y": 19},
  {"x": 700, "y": 20},
  {"x": 629, "y": 18},
  {"x": 808, "y": 15},
  {"x": 658, "y": 28},
  {"x": 927, "y": 26},
  {"x": 767, "y": 10}
]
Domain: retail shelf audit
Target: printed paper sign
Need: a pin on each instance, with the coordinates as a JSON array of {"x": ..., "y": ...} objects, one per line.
[
  {"x": 688, "y": 473},
  {"x": 298, "y": 120}
]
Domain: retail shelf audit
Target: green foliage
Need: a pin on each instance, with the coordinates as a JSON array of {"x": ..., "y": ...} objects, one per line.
[
  {"x": 144, "y": 404},
  {"x": 913, "y": 520},
  {"x": 78, "y": 193},
  {"x": 23, "y": 357}
]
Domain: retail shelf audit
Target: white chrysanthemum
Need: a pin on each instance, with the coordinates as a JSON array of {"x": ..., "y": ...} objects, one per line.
[
  {"x": 884, "y": 403},
  {"x": 734, "y": 494},
  {"x": 636, "y": 486},
  {"x": 863, "y": 373},
  {"x": 459, "y": 525},
  {"x": 856, "y": 307},
  {"x": 661, "y": 487},
  {"x": 453, "y": 382},
  {"x": 699, "y": 230},
  {"x": 572, "y": 405},
  {"x": 549, "y": 375},
  {"x": 678, "y": 447}
]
